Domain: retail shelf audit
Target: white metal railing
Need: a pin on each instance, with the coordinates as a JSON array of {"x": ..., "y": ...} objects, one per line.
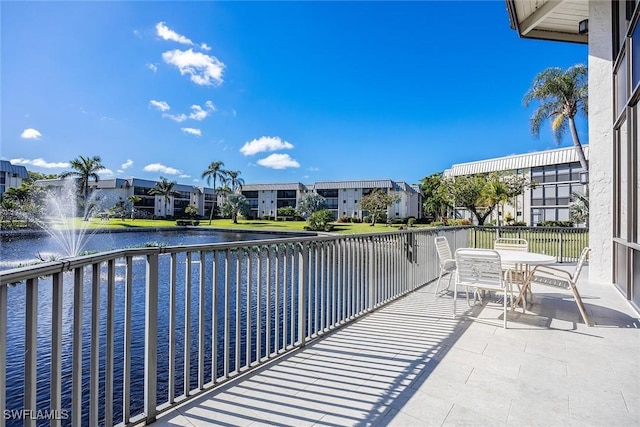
[{"x": 118, "y": 337}]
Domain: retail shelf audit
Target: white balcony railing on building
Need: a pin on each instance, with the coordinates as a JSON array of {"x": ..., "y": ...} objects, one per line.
[{"x": 118, "y": 337}]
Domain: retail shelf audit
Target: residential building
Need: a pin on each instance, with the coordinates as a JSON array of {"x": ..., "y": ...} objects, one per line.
[
  {"x": 612, "y": 31},
  {"x": 555, "y": 175},
  {"x": 11, "y": 175},
  {"x": 114, "y": 190},
  {"x": 342, "y": 197},
  {"x": 265, "y": 199}
]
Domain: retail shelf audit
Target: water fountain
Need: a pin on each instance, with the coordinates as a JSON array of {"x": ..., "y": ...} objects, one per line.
[{"x": 60, "y": 218}]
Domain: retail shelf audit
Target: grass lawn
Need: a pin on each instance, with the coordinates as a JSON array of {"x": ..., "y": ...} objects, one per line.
[{"x": 340, "y": 228}]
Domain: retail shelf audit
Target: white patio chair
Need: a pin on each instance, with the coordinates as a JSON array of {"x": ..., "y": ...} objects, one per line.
[
  {"x": 480, "y": 269},
  {"x": 447, "y": 263},
  {"x": 510, "y": 244},
  {"x": 518, "y": 273},
  {"x": 557, "y": 278}
]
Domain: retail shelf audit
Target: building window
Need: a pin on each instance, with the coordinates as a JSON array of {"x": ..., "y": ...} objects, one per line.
[{"x": 620, "y": 85}]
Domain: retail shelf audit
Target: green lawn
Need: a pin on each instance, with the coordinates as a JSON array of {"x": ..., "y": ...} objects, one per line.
[{"x": 340, "y": 228}]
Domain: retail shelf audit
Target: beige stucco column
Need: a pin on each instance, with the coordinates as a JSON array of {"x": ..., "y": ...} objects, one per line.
[{"x": 600, "y": 142}]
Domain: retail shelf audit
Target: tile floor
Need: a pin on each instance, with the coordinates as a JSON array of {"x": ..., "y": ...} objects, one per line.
[{"x": 411, "y": 364}]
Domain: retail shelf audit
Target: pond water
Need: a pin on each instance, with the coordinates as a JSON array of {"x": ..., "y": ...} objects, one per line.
[
  {"x": 22, "y": 249},
  {"x": 18, "y": 250}
]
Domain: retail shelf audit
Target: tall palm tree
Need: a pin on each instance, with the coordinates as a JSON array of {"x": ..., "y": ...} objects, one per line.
[
  {"x": 562, "y": 95},
  {"x": 165, "y": 189},
  {"x": 214, "y": 171},
  {"x": 235, "y": 181},
  {"x": 84, "y": 168}
]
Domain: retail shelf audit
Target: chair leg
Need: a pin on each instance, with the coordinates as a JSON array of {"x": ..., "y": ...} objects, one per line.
[
  {"x": 583, "y": 311},
  {"x": 450, "y": 277},
  {"x": 435, "y": 293},
  {"x": 455, "y": 298},
  {"x": 504, "y": 309}
]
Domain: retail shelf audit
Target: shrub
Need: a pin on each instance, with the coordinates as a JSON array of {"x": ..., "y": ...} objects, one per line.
[
  {"x": 319, "y": 220},
  {"x": 556, "y": 224},
  {"x": 356, "y": 220},
  {"x": 410, "y": 221},
  {"x": 436, "y": 224},
  {"x": 397, "y": 221},
  {"x": 343, "y": 219},
  {"x": 518, "y": 224},
  {"x": 185, "y": 222},
  {"x": 366, "y": 219}
]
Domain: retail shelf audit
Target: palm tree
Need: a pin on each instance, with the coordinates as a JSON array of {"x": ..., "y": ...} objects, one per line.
[
  {"x": 215, "y": 171},
  {"x": 165, "y": 189},
  {"x": 235, "y": 181},
  {"x": 561, "y": 94},
  {"x": 496, "y": 192},
  {"x": 133, "y": 199},
  {"x": 85, "y": 168}
]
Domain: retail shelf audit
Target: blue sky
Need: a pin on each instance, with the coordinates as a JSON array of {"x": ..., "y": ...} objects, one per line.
[{"x": 283, "y": 92}]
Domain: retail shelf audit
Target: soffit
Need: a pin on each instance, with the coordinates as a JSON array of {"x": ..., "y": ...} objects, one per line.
[{"x": 549, "y": 19}]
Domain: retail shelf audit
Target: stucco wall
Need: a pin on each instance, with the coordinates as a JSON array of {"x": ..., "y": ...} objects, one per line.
[{"x": 600, "y": 141}]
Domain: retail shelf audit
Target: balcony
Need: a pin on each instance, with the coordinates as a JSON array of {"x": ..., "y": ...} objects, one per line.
[
  {"x": 332, "y": 330},
  {"x": 410, "y": 363}
]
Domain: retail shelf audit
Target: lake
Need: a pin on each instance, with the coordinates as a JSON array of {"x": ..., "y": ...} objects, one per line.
[{"x": 19, "y": 249}]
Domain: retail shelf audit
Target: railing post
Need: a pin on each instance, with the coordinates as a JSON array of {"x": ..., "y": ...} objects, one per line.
[
  {"x": 30, "y": 349},
  {"x": 560, "y": 246},
  {"x": 303, "y": 279},
  {"x": 151, "y": 339},
  {"x": 76, "y": 388},
  {"x": 371, "y": 302},
  {"x": 3, "y": 348}
]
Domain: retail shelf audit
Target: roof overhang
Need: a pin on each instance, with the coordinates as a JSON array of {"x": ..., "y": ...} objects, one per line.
[{"x": 549, "y": 19}]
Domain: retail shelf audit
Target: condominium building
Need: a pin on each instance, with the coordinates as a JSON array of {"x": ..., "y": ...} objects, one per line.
[
  {"x": 555, "y": 176},
  {"x": 265, "y": 199},
  {"x": 612, "y": 31},
  {"x": 342, "y": 197},
  {"x": 11, "y": 175}
]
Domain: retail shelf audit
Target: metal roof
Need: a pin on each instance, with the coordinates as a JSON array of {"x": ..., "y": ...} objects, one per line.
[
  {"x": 20, "y": 171},
  {"x": 273, "y": 187},
  {"x": 518, "y": 161},
  {"x": 375, "y": 183}
]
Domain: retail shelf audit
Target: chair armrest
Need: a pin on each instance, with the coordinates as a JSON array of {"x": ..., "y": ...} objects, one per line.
[{"x": 554, "y": 271}]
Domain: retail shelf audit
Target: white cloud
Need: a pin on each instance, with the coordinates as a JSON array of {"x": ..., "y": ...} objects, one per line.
[
  {"x": 152, "y": 67},
  {"x": 196, "y": 180},
  {"x": 205, "y": 46},
  {"x": 40, "y": 162},
  {"x": 30, "y": 134},
  {"x": 105, "y": 172},
  {"x": 192, "y": 131},
  {"x": 198, "y": 113},
  {"x": 203, "y": 69},
  {"x": 166, "y": 33},
  {"x": 160, "y": 105},
  {"x": 265, "y": 143},
  {"x": 313, "y": 169},
  {"x": 127, "y": 164},
  {"x": 278, "y": 161},
  {"x": 119, "y": 171},
  {"x": 159, "y": 167},
  {"x": 210, "y": 106},
  {"x": 184, "y": 176},
  {"x": 179, "y": 118}
]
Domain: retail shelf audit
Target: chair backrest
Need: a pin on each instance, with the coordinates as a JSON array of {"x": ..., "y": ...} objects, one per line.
[
  {"x": 511, "y": 244},
  {"x": 442, "y": 246},
  {"x": 479, "y": 267},
  {"x": 581, "y": 261}
]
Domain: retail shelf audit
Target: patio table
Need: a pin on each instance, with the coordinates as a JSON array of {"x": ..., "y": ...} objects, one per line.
[{"x": 522, "y": 261}]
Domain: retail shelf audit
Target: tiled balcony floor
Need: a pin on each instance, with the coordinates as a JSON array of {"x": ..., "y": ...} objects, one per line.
[{"x": 411, "y": 364}]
